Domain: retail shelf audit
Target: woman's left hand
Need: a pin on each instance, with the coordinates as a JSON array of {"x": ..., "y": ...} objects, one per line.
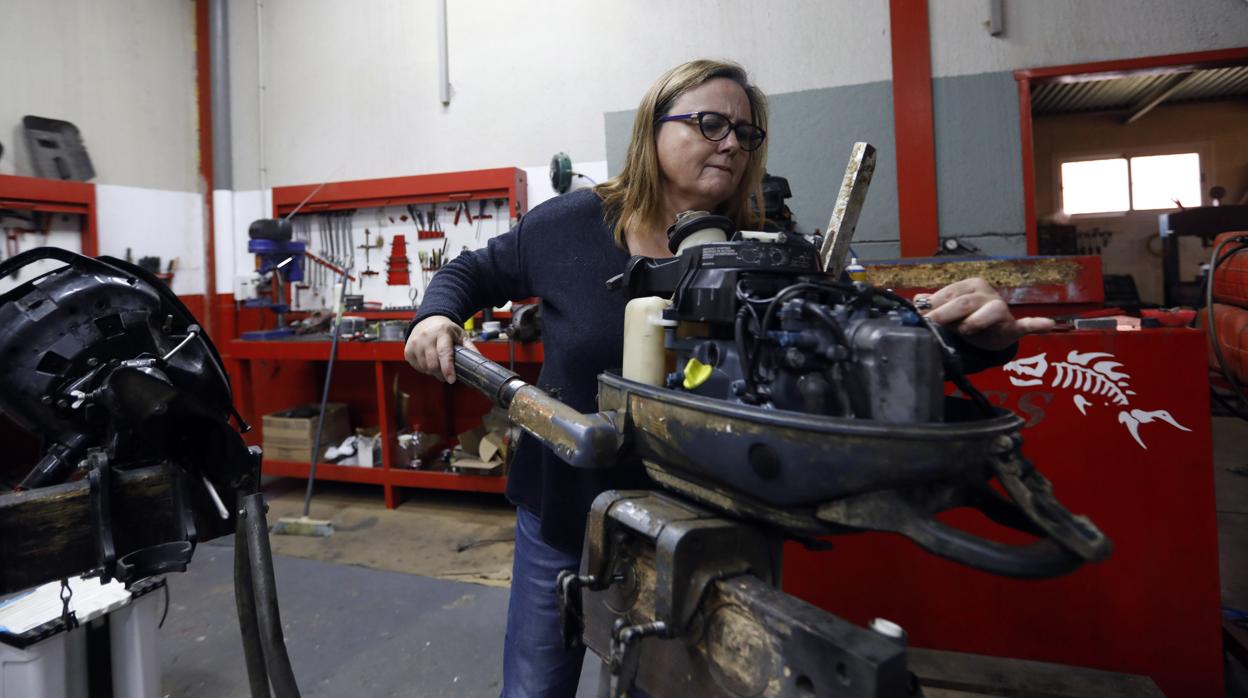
[{"x": 976, "y": 311}]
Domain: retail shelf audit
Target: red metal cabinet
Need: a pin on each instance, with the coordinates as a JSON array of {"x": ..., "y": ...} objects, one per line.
[
  {"x": 1153, "y": 607},
  {"x": 273, "y": 375}
]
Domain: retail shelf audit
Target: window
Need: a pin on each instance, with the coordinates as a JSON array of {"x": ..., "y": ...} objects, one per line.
[
  {"x": 1144, "y": 183},
  {"x": 1095, "y": 186}
]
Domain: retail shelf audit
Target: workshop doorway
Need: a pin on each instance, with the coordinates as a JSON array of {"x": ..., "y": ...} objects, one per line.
[{"x": 1108, "y": 147}]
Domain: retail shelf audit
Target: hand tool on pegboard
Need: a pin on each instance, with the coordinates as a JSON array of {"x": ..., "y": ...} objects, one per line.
[
  {"x": 417, "y": 219},
  {"x": 432, "y": 261},
  {"x": 461, "y": 207},
  {"x": 349, "y": 241},
  {"x": 398, "y": 271},
  {"x": 430, "y": 228},
  {"x": 368, "y": 248},
  {"x": 303, "y": 234},
  {"x": 481, "y": 215},
  {"x": 318, "y": 272},
  {"x": 327, "y": 252},
  {"x": 335, "y": 251}
]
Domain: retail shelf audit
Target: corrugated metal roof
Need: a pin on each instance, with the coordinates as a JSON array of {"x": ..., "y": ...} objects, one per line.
[
  {"x": 1121, "y": 94},
  {"x": 1219, "y": 83}
]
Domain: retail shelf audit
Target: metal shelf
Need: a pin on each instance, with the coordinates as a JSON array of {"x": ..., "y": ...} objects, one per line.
[
  {"x": 400, "y": 477},
  {"x": 497, "y": 351},
  {"x": 386, "y": 359}
]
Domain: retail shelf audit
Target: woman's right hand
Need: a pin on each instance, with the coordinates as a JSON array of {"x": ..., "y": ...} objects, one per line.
[{"x": 430, "y": 348}]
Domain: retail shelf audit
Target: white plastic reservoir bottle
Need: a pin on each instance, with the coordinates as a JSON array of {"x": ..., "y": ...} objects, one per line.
[{"x": 645, "y": 360}]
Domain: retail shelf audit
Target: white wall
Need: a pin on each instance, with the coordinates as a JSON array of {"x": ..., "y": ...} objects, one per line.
[
  {"x": 131, "y": 222},
  {"x": 245, "y": 58},
  {"x": 1042, "y": 33},
  {"x": 123, "y": 71},
  {"x": 155, "y": 223},
  {"x": 350, "y": 90},
  {"x": 352, "y": 93}
]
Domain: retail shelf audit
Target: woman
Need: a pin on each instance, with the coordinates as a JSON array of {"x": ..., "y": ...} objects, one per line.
[{"x": 698, "y": 143}]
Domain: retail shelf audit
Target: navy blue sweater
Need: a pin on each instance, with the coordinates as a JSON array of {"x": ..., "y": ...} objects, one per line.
[{"x": 563, "y": 252}]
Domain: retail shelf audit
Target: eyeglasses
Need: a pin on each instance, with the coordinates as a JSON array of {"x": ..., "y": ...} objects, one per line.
[{"x": 715, "y": 127}]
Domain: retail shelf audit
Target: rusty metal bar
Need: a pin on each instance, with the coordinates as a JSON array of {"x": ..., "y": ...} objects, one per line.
[{"x": 848, "y": 207}]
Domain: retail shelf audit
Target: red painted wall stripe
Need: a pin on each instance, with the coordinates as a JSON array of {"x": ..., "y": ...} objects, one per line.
[
  {"x": 1029, "y": 166},
  {"x": 912, "y": 123},
  {"x": 203, "y": 96},
  {"x": 1128, "y": 67}
]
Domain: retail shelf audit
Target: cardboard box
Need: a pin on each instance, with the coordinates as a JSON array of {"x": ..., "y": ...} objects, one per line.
[
  {"x": 301, "y": 454},
  {"x": 491, "y": 448},
  {"x": 289, "y": 433},
  {"x": 467, "y": 465},
  {"x": 470, "y": 441}
]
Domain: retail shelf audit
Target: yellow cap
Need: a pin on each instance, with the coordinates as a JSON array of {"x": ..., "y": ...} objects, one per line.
[
  {"x": 696, "y": 373},
  {"x": 856, "y": 271}
]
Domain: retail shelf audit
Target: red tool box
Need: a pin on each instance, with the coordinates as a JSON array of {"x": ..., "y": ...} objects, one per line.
[{"x": 1139, "y": 466}]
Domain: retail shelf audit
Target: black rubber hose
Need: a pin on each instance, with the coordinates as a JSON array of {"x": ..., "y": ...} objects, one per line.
[
  {"x": 855, "y": 393},
  {"x": 1042, "y": 559},
  {"x": 245, "y": 601},
  {"x": 743, "y": 352},
  {"x": 776, "y": 302},
  {"x": 277, "y": 661}
]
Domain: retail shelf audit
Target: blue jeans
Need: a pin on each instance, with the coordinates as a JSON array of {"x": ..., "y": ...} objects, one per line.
[{"x": 535, "y": 663}]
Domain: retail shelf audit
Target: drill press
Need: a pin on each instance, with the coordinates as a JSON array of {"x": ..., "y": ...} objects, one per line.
[{"x": 280, "y": 262}]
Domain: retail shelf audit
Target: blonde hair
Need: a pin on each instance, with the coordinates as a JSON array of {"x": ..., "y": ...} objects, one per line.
[{"x": 634, "y": 199}]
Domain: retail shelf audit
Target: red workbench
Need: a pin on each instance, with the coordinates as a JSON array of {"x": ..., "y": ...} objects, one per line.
[
  {"x": 1153, "y": 607},
  {"x": 367, "y": 376}
]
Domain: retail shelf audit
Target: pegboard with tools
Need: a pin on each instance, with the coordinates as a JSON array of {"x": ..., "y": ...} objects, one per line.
[{"x": 395, "y": 234}]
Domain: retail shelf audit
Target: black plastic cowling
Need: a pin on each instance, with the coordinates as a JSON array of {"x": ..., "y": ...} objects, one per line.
[{"x": 83, "y": 367}]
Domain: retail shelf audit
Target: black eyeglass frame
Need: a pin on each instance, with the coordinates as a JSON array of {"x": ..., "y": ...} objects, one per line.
[{"x": 733, "y": 127}]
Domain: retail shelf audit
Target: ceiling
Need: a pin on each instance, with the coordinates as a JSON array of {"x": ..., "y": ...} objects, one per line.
[{"x": 1133, "y": 94}]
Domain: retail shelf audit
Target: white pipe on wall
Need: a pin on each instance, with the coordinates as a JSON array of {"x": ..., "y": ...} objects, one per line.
[
  {"x": 260, "y": 95},
  {"x": 996, "y": 17},
  {"x": 444, "y": 73}
]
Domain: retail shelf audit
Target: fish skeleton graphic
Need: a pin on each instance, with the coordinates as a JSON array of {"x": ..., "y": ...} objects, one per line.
[{"x": 1094, "y": 376}]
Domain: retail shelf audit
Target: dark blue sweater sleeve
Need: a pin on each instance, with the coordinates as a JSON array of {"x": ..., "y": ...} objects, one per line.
[
  {"x": 478, "y": 279},
  {"x": 973, "y": 358}
]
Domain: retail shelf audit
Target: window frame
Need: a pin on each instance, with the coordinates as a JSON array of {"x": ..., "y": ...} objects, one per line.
[{"x": 1203, "y": 150}]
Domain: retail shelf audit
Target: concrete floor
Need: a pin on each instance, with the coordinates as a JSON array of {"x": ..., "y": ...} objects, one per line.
[
  {"x": 460, "y": 536},
  {"x": 412, "y": 602},
  {"x": 380, "y": 608},
  {"x": 350, "y": 631}
]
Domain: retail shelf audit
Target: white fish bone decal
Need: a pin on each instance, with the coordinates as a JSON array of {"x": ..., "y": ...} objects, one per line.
[{"x": 1093, "y": 381}]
